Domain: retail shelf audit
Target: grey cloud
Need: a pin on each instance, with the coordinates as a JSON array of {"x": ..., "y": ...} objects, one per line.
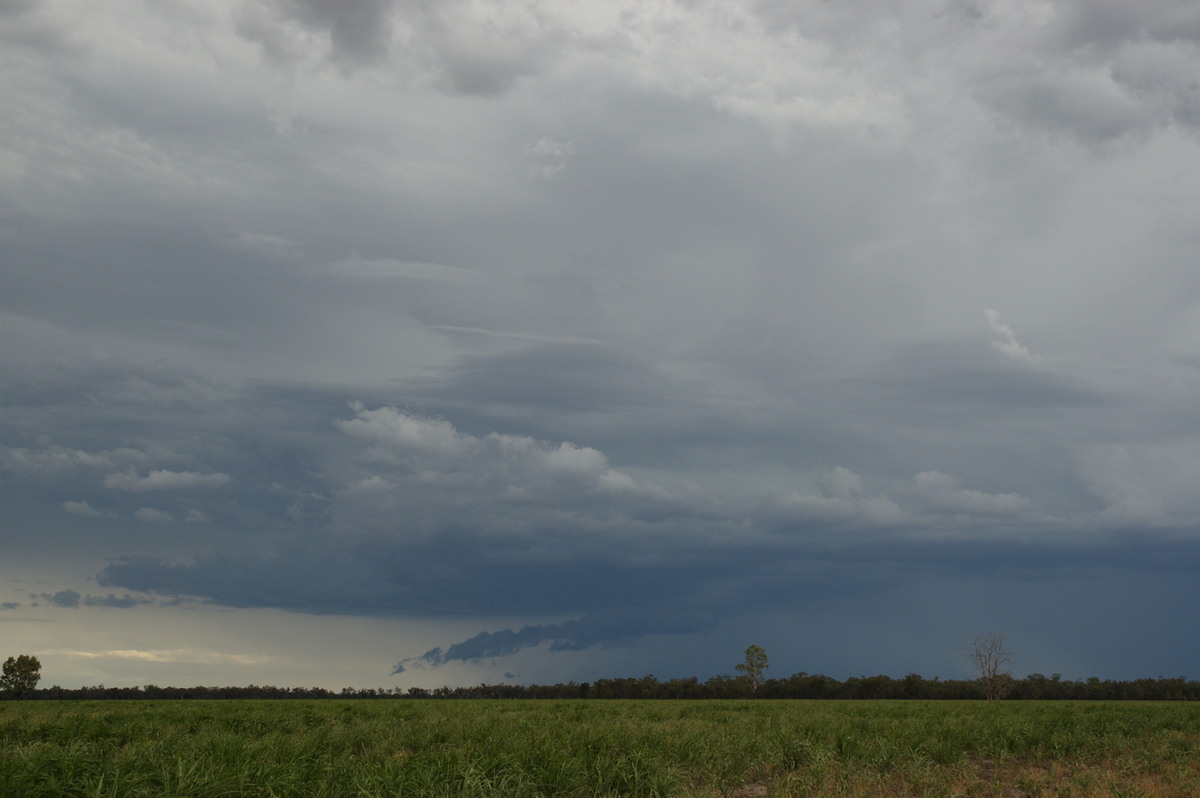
[
  {"x": 573, "y": 635},
  {"x": 451, "y": 523},
  {"x": 1145, "y": 485},
  {"x": 1081, "y": 23},
  {"x": 25, "y": 27},
  {"x": 162, "y": 479},
  {"x": 1084, "y": 71},
  {"x": 63, "y": 598},
  {"x": 152, "y": 515},
  {"x": 487, "y": 56},
  {"x": 945, "y": 492},
  {"x": 622, "y": 400},
  {"x": 116, "y": 602},
  {"x": 547, "y": 157},
  {"x": 456, "y": 573},
  {"x": 50, "y": 458},
  {"x": 543, "y": 545},
  {"x": 1086, "y": 103},
  {"x": 954, "y": 377},
  {"x": 402, "y": 443},
  {"x": 73, "y": 599},
  {"x": 723, "y": 353},
  {"x": 359, "y": 31},
  {"x": 475, "y": 50},
  {"x": 1007, "y": 343},
  {"x": 557, "y": 378},
  {"x": 626, "y": 565},
  {"x": 619, "y": 603},
  {"x": 189, "y": 259},
  {"x": 1097, "y": 72},
  {"x": 422, "y": 581},
  {"x": 83, "y": 509},
  {"x": 158, "y": 412}
]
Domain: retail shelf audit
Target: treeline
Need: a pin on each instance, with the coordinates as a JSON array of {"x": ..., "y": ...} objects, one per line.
[{"x": 798, "y": 686}]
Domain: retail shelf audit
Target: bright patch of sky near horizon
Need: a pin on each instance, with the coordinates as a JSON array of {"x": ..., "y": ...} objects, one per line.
[{"x": 373, "y": 342}]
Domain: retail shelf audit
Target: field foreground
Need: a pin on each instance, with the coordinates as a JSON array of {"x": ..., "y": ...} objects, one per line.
[{"x": 744, "y": 749}]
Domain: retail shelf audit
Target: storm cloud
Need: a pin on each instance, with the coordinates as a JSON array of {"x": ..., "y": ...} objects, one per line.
[{"x": 556, "y": 340}]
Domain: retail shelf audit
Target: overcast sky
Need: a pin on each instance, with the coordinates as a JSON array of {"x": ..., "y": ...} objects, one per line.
[{"x": 393, "y": 343}]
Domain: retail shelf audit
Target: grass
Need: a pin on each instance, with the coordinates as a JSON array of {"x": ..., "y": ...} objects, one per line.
[{"x": 744, "y": 749}]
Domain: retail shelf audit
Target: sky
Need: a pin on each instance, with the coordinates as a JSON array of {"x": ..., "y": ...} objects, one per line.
[{"x": 393, "y": 343}]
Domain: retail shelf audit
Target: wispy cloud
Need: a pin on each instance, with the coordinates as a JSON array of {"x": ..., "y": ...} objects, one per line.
[
  {"x": 52, "y": 458},
  {"x": 149, "y": 515},
  {"x": 546, "y": 157},
  {"x": 165, "y": 480},
  {"x": 943, "y": 493},
  {"x": 171, "y": 656},
  {"x": 1008, "y": 345},
  {"x": 83, "y": 509},
  {"x": 389, "y": 268},
  {"x": 516, "y": 336}
]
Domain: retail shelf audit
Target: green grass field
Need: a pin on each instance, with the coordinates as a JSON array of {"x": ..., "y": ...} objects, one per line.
[{"x": 598, "y": 748}]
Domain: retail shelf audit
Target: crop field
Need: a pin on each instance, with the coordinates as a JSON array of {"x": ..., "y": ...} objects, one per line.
[{"x": 745, "y": 749}]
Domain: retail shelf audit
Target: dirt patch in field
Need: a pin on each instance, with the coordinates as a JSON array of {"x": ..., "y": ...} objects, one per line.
[
  {"x": 1021, "y": 778},
  {"x": 986, "y": 778}
]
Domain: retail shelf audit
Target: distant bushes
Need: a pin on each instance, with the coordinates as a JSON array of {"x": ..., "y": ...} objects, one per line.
[{"x": 797, "y": 686}]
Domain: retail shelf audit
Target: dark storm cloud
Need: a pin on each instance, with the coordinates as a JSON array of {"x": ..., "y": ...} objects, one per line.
[
  {"x": 417, "y": 518},
  {"x": 438, "y": 522},
  {"x": 73, "y": 599},
  {"x": 949, "y": 586},
  {"x": 569, "y": 379},
  {"x": 573, "y": 635},
  {"x": 1108, "y": 22},
  {"x": 25, "y": 27},
  {"x": 487, "y": 60},
  {"x": 621, "y": 400},
  {"x": 173, "y": 275},
  {"x": 961, "y": 379},
  {"x": 408, "y": 515},
  {"x": 359, "y": 31},
  {"x": 103, "y": 445},
  {"x": 63, "y": 598},
  {"x": 394, "y": 580},
  {"x": 1103, "y": 71},
  {"x": 471, "y": 55},
  {"x": 637, "y": 319},
  {"x": 116, "y": 602}
]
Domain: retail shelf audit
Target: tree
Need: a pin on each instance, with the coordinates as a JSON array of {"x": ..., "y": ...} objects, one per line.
[
  {"x": 753, "y": 666},
  {"x": 992, "y": 661},
  {"x": 20, "y": 675}
]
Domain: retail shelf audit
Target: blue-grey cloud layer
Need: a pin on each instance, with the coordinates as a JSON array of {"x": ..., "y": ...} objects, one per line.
[{"x": 635, "y": 323}]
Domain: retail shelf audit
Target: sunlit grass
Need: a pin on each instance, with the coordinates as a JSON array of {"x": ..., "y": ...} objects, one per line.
[{"x": 598, "y": 748}]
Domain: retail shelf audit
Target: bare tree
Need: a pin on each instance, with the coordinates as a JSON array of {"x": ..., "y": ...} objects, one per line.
[{"x": 992, "y": 661}]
